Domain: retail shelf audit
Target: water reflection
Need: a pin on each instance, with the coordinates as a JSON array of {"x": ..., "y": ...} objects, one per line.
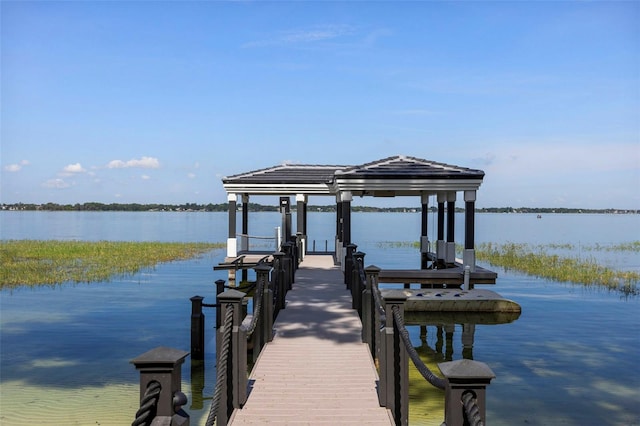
[{"x": 435, "y": 338}]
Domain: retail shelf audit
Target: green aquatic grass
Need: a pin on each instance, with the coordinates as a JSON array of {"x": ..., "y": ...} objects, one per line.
[
  {"x": 536, "y": 260},
  {"x": 50, "y": 262}
]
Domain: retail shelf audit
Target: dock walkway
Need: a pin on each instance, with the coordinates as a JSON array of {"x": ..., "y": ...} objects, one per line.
[{"x": 316, "y": 370}]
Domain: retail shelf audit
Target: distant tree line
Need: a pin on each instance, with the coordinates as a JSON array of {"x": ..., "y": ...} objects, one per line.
[{"x": 253, "y": 207}]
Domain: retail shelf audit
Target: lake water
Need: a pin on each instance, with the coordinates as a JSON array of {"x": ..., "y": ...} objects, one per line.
[{"x": 570, "y": 358}]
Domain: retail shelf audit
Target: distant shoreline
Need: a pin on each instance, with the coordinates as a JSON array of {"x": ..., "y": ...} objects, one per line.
[{"x": 223, "y": 207}]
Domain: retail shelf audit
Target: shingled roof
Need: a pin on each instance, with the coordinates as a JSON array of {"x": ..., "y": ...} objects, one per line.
[
  {"x": 399, "y": 175},
  {"x": 405, "y": 167}
]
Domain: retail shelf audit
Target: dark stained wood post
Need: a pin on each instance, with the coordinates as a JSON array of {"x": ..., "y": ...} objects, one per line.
[
  {"x": 164, "y": 365},
  {"x": 232, "y": 247},
  {"x": 234, "y": 393},
  {"x": 346, "y": 218},
  {"x": 262, "y": 272},
  {"x": 357, "y": 287},
  {"x": 394, "y": 374},
  {"x": 279, "y": 279},
  {"x": 450, "y": 257},
  {"x": 369, "y": 310},
  {"x": 465, "y": 376},
  {"x": 338, "y": 247},
  {"x": 348, "y": 264},
  {"x": 197, "y": 328},
  {"x": 219, "y": 289},
  {"x": 301, "y": 222},
  {"x": 440, "y": 243},
  {"x": 245, "y": 228},
  {"x": 469, "y": 257},
  {"x": 424, "y": 234}
]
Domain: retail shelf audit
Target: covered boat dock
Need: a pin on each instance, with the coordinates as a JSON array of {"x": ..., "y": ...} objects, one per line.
[{"x": 389, "y": 177}]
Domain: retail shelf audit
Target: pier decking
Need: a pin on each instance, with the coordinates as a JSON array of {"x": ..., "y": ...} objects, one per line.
[{"x": 316, "y": 370}]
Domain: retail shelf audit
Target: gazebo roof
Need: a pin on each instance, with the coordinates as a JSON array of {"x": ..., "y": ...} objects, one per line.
[{"x": 399, "y": 175}]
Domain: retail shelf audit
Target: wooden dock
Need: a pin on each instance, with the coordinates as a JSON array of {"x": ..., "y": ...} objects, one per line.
[{"x": 316, "y": 371}]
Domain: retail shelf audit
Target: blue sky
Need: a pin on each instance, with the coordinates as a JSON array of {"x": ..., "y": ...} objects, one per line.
[{"x": 154, "y": 102}]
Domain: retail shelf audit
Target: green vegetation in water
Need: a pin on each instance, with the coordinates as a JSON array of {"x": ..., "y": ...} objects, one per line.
[
  {"x": 537, "y": 261},
  {"x": 50, "y": 262},
  {"x": 534, "y": 260}
]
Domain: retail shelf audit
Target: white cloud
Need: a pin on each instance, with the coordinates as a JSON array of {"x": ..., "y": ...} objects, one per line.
[
  {"x": 191, "y": 175},
  {"x": 145, "y": 177},
  {"x": 12, "y": 167},
  {"x": 304, "y": 36},
  {"x": 56, "y": 183},
  {"x": 143, "y": 163},
  {"x": 74, "y": 168},
  {"x": 16, "y": 167}
]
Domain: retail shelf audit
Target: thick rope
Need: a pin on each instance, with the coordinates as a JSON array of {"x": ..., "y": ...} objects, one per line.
[
  {"x": 471, "y": 410},
  {"x": 247, "y": 287},
  {"x": 221, "y": 376},
  {"x": 256, "y": 311},
  {"x": 148, "y": 403},
  {"x": 413, "y": 354},
  {"x": 378, "y": 302}
]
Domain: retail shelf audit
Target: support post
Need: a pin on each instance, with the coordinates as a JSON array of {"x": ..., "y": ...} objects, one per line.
[
  {"x": 346, "y": 219},
  {"x": 245, "y": 229},
  {"x": 279, "y": 280},
  {"x": 395, "y": 367},
  {"x": 450, "y": 256},
  {"x": 164, "y": 365},
  {"x": 301, "y": 222},
  {"x": 440, "y": 243},
  {"x": 338, "y": 245},
  {"x": 288, "y": 265},
  {"x": 219, "y": 289},
  {"x": 348, "y": 264},
  {"x": 266, "y": 316},
  {"x": 357, "y": 287},
  {"x": 469, "y": 256},
  {"x": 465, "y": 376},
  {"x": 232, "y": 244},
  {"x": 234, "y": 392},
  {"x": 424, "y": 234},
  {"x": 197, "y": 328},
  {"x": 369, "y": 310}
]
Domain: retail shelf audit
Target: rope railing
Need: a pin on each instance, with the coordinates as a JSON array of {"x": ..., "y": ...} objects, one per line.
[
  {"x": 471, "y": 409},
  {"x": 384, "y": 330},
  {"x": 377, "y": 297},
  {"x": 246, "y": 288},
  {"x": 148, "y": 404},
  {"x": 257, "y": 309},
  {"x": 413, "y": 354},
  {"x": 221, "y": 376}
]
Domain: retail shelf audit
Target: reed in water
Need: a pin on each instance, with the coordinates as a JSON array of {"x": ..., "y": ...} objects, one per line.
[
  {"x": 539, "y": 261},
  {"x": 51, "y": 262}
]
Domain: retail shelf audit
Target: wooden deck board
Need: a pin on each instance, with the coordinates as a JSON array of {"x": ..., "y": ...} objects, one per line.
[{"x": 316, "y": 370}]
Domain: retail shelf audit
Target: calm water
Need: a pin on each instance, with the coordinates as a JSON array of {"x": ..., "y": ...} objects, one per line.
[{"x": 569, "y": 359}]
